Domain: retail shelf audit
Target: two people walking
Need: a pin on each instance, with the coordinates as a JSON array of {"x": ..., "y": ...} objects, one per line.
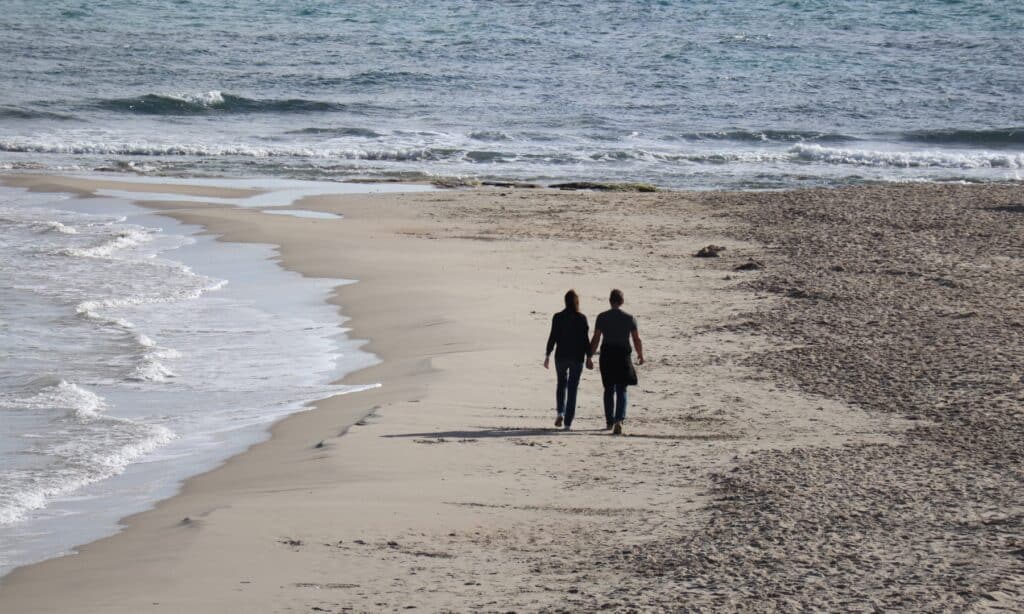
[{"x": 613, "y": 331}]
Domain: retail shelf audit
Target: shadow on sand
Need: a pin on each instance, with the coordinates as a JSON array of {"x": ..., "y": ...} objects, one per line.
[
  {"x": 548, "y": 432},
  {"x": 495, "y": 432}
]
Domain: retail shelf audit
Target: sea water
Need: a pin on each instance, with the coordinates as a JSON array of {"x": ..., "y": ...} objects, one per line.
[
  {"x": 135, "y": 352},
  {"x": 685, "y": 94}
]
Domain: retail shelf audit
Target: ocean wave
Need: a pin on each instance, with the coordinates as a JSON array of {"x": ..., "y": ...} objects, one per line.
[
  {"x": 201, "y": 150},
  {"x": 343, "y": 131},
  {"x": 61, "y": 228},
  {"x": 717, "y": 157},
  {"x": 43, "y": 226},
  {"x": 127, "y": 166},
  {"x": 489, "y": 135},
  {"x": 764, "y": 136},
  {"x": 489, "y": 156},
  {"x": 1004, "y": 137},
  {"x": 150, "y": 369},
  {"x": 213, "y": 102},
  {"x": 35, "y": 166},
  {"x": 421, "y": 154},
  {"x": 78, "y": 401},
  {"x": 799, "y": 152},
  {"x": 41, "y": 218},
  {"x": 8, "y": 112},
  {"x": 806, "y": 152},
  {"x": 123, "y": 240},
  {"x": 79, "y": 465},
  {"x": 99, "y": 447},
  {"x": 904, "y": 159},
  {"x": 90, "y": 311},
  {"x": 393, "y": 78},
  {"x": 91, "y": 308}
]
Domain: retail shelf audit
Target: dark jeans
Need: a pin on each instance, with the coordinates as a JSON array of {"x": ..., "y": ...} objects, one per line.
[
  {"x": 615, "y": 403},
  {"x": 568, "y": 372}
]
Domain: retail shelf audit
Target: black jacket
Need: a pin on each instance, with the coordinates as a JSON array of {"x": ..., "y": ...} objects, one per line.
[{"x": 569, "y": 332}]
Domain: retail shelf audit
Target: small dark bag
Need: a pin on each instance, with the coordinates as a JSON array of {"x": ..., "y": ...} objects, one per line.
[{"x": 617, "y": 367}]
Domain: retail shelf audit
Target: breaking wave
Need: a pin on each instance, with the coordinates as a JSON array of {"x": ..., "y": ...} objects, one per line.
[
  {"x": 904, "y": 159},
  {"x": 201, "y": 150},
  {"x": 765, "y": 136},
  {"x": 214, "y": 102},
  {"x": 102, "y": 446},
  {"x": 124, "y": 239}
]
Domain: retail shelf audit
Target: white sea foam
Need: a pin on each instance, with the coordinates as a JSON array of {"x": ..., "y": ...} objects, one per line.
[
  {"x": 100, "y": 447},
  {"x": 90, "y": 309},
  {"x": 62, "y": 228},
  {"x": 908, "y": 159},
  {"x": 84, "y": 405},
  {"x": 476, "y": 152},
  {"x": 211, "y": 98},
  {"x": 79, "y": 401},
  {"x": 124, "y": 239},
  {"x": 93, "y": 309},
  {"x": 94, "y": 447},
  {"x": 152, "y": 370},
  {"x": 146, "y": 148}
]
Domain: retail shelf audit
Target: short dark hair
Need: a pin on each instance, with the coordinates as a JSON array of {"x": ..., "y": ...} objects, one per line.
[
  {"x": 615, "y": 298},
  {"x": 572, "y": 301}
]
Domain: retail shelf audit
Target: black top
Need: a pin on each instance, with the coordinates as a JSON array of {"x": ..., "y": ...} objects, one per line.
[
  {"x": 616, "y": 328},
  {"x": 569, "y": 332}
]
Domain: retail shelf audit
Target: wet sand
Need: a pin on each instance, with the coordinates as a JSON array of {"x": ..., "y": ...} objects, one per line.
[{"x": 837, "y": 428}]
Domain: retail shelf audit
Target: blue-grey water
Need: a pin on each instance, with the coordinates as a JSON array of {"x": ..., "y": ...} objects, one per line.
[{"x": 702, "y": 94}]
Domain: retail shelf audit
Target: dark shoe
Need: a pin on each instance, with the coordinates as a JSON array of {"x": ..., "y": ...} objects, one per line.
[
  {"x": 607, "y": 426},
  {"x": 617, "y": 429},
  {"x": 558, "y": 421}
]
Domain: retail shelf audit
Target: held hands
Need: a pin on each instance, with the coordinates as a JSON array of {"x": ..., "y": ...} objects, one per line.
[{"x": 590, "y": 363}]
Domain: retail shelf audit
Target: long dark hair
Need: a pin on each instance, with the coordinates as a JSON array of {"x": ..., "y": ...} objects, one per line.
[{"x": 572, "y": 301}]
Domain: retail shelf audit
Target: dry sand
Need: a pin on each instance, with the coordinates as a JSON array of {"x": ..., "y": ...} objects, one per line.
[{"x": 840, "y": 430}]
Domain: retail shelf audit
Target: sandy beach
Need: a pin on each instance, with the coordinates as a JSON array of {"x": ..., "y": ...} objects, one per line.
[{"x": 837, "y": 425}]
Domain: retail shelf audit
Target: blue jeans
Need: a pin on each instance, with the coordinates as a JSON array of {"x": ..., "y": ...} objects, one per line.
[
  {"x": 615, "y": 403},
  {"x": 568, "y": 372}
]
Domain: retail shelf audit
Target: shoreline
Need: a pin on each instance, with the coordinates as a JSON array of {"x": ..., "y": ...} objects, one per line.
[
  {"x": 448, "y": 462},
  {"x": 214, "y": 192},
  {"x": 296, "y": 322}
]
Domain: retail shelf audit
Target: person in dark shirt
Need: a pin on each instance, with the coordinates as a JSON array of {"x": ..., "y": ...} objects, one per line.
[
  {"x": 613, "y": 330},
  {"x": 569, "y": 330}
]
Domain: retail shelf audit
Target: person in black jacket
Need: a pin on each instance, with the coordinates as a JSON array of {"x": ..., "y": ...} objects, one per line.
[{"x": 569, "y": 330}]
